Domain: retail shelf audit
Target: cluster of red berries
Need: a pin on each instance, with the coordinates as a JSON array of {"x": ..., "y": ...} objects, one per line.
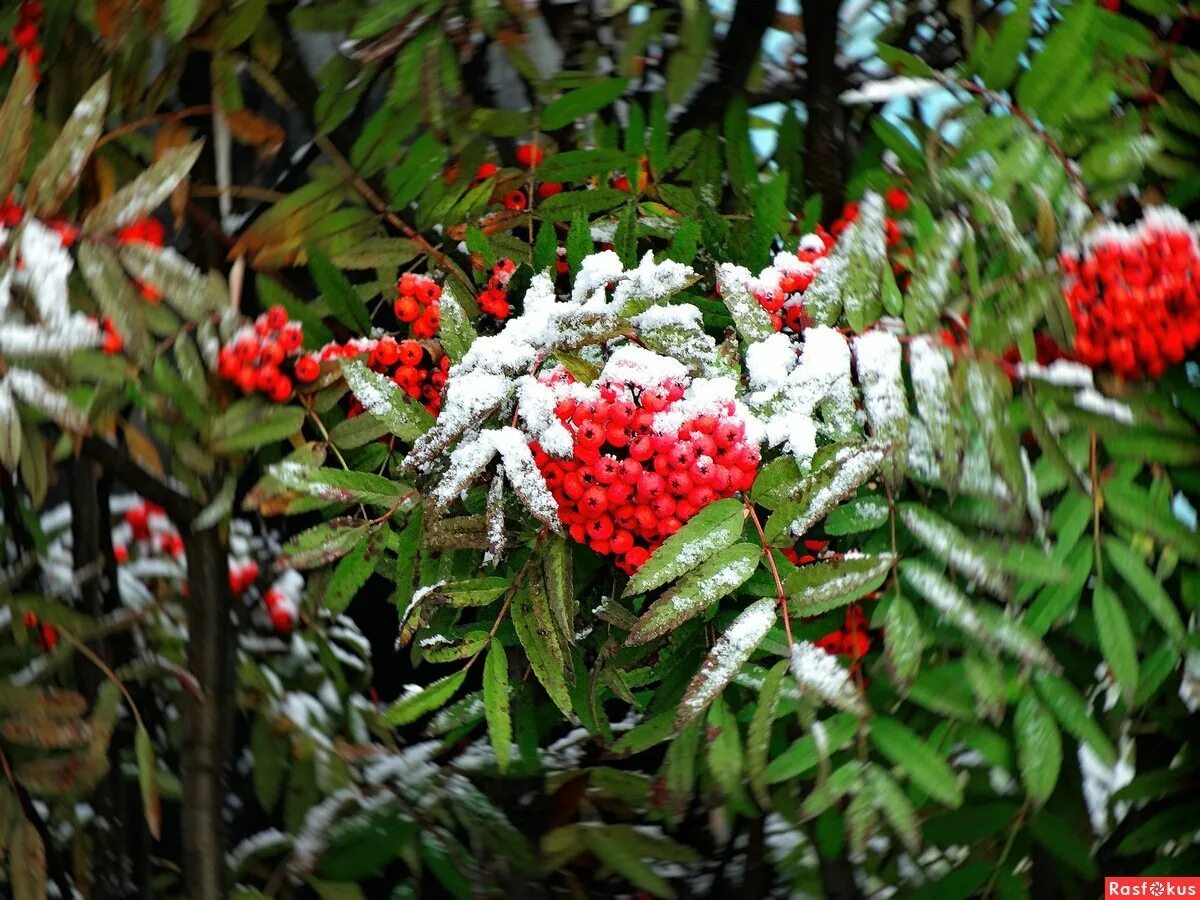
[
  {"x": 150, "y": 529},
  {"x": 1135, "y": 296},
  {"x": 527, "y": 156},
  {"x": 242, "y": 575},
  {"x": 419, "y": 304},
  {"x": 627, "y": 487},
  {"x": 144, "y": 231},
  {"x": 418, "y": 367},
  {"x": 812, "y": 547},
  {"x": 25, "y": 34},
  {"x": 852, "y": 640},
  {"x": 494, "y": 300},
  {"x": 257, "y": 359}
]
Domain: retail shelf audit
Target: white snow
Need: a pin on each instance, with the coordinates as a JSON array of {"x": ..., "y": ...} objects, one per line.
[
  {"x": 822, "y": 674},
  {"x": 890, "y": 89}
]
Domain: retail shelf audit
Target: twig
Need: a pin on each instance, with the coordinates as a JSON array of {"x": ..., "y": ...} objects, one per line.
[{"x": 779, "y": 592}]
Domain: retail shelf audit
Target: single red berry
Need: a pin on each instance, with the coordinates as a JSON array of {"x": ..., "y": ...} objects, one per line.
[
  {"x": 307, "y": 369},
  {"x": 486, "y": 170},
  {"x": 515, "y": 200},
  {"x": 529, "y": 155},
  {"x": 548, "y": 189},
  {"x": 407, "y": 309},
  {"x": 24, "y": 34},
  {"x": 282, "y": 619}
]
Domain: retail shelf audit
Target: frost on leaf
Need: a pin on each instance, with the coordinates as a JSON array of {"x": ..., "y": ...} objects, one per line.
[
  {"x": 727, "y": 656},
  {"x": 877, "y": 356},
  {"x": 799, "y": 400},
  {"x": 929, "y": 369},
  {"x": 820, "y": 673}
]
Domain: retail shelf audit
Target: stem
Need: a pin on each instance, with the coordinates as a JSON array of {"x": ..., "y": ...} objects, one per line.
[
  {"x": 779, "y": 592},
  {"x": 512, "y": 592},
  {"x": 1096, "y": 502}
]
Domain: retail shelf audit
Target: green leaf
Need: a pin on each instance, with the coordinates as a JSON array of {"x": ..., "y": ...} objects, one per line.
[
  {"x": 59, "y": 170},
  {"x": 864, "y": 514},
  {"x": 179, "y": 16},
  {"x": 474, "y": 591},
  {"x": 324, "y": 543},
  {"x": 253, "y": 424},
  {"x": 1139, "y": 577},
  {"x": 924, "y": 766},
  {"x": 821, "y": 491},
  {"x": 751, "y": 320},
  {"x": 826, "y": 584},
  {"x": 951, "y": 546},
  {"x": 579, "y": 242},
  {"x": 1039, "y": 748},
  {"x": 186, "y": 288},
  {"x": 581, "y": 102},
  {"x": 982, "y": 622},
  {"x": 896, "y": 807},
  {"x": 577, "y": 165},
  {"x": 708, "y": 532},
  {"x": 352, "y": 572},
  {"x": 725, "y": 659},
  {"x": 495, "y": 703},
  {"x": 805, "y": 754},
  {"x": 381, "y": 398},
  {"x": 560, "y": 590},
  {"x": 145, "y": 193},
  {"x": 416, "y": 704},
  {"x": 621, "y": 851},
  {"x": 1074, "y": 714},
  {"x": 821, "y": 674},
  {"x": 718, "y": 576},
  {"x": 724, "y": 749},
  {"x": 344, "y": 301},
  {"x": 148, "y": 780},
  {"x": 535, "y": 629},
  {"x": 903, "y": 642},
  {"x": 270, "y": 751},
  {"x": 1116, "y": 638},
  {"x": 339, "y": 485},
  {"x": 625, "y": 238},
  {"x": 758, "y": 736},
  {"x": 1133, "y": 506},
  {"x": 1001, "y": 65},
  {"x": 27, "y": 862}
]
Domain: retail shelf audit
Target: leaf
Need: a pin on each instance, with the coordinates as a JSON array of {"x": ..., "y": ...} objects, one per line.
[
  {"x": 343, "y": 300},
  {"x": 474, "y": 591},
  {"x": 758, "y": 736},
  {"x": 495, "y": 703},
  {"x": 577, "y": 165},
  {"x": 821, "y": 491},
  {"x": 27, "y": 862},
  {"x": 425, "y": 699},
  {"x": 951, "y": 546},
  {"x": 751, "y": 320},
  {"x": 536, "y": 634},
  {"x": 724, "y": 748},
  {"x": 145, "y": 193},
  {"x": 581, "y": 102},
  {"x": 1074, "y": 715},
  {"x": 982, "y": 622},
  {"x": 826, "y": 584},
  {"x": 384, "y": 400},
  {"x": 16, "y": 125},
  {"x": 559, "y": 581},
  {"x": 338, "y": 485},
  {"x": 191, "y": 292},
  {"x": 579, "y": 242},
  {"x": 621, "y": 851},
  {"x": 1133, "y": 506},
  {"x": 717, "y": 577},
  {"x": 820, "y": 673},
  {"x": 323, "y": 543},
  {"x": 147, "y": 779},
  {"x": 1039, "y": 748},
  {"x": 179, "y": 16},
  {"x": 1116, "y": 638},
  {"x": 806, "y": 753},
  {"x": 725, "y": 659},
  {"x": 253, "y": 425},
  {"x": 896, "y": 807},
  {"x": 270, "y": 751},
  {"x": 1001, "y": 65},
  {"x": 863, "y": 514},
  {"x": 708, "y": 532},
  {"x": 923, "y": 765},
  {"x": 59, "y": 170},
  {"x": 352, "y": 572},
  {"x": 1152, "y": 594},
  {"x": 903, "y": 643}
]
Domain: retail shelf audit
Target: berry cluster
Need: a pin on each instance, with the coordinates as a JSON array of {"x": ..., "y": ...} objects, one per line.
[
  {"x": 637, "y": 472},
  {"x": 144, "y": 231},
  {"x": 1135, "y": 295},
  {"x": 46, "y": 634},
  {"x": 527, "y": 156},
  {"x": 25, "y": 34},
  {"x": 418, "y": 367},
  {"x": 150, "y": 530},
  {"x": 419, "y": 304},
  {"x": 851, "y": 640},
  {"x": 494, "y": 300},
  {"x": 257, "y": 358},
  {"x": 282, "y": 600},
  {"x": 242, "y": 575}
]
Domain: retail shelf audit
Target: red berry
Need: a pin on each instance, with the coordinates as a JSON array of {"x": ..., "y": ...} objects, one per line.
[
  {"x": 282, "y": 619},
  {"x": 515, "y": 200},
  {"x": 407, "y": 309},
  {"x": 487, "y": 170},
  {"x": 307, "y": 370},
  {"x": 529, "y": 155}
]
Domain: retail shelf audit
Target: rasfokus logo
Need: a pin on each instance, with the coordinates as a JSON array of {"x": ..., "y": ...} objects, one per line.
[{"x": 1150, "y": 886}]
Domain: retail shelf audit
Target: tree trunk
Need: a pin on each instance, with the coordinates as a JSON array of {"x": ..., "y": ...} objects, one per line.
[
  {"x": 208, "y": 719},
  {"x": 824, "y": 134}
]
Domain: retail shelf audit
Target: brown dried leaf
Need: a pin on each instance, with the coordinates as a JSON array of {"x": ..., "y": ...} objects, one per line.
[
  {"x": 256, "y": 131},
  {"x": 142, "y": 449},
  {"x": 172, "y": 135},
  {"x": 46, "y": 732}
]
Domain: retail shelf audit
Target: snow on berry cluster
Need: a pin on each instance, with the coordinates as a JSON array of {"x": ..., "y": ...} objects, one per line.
[
  {"x": 417, "y": 367},
  {"x": 852, "y": 640},
  {"x": 649, "y": 449},
  {"x": 1134, "y": 294},
  {"x": 418, "y": 304}
]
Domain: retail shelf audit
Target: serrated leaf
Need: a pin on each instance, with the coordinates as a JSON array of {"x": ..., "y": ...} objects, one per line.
[
  {"x": 903, "y": 643},
  {"x": 1074, "y": 715},
  {"x": 179, "y": 16},
  {"x": 821, "y": 674},
  {"x": 495, "y": 703},
  {"x": 897, "y": 809},
  {"x": 758, "y": 736},
  {"x": 58, "y": 172},
  {"x": 145, "y": 193},
  {"x": 384, "y": 400},
  {"x": 1116, "y": 638},
  {"x": 826, "y": 584},
  {"x": 16, "y": 124},
  {"x": 863, "y": 514},
  {"x": 186, "y": 288},
  {"x": 821, "y": 491},
  {"x": 581, "y": 102},
  {"x": 806, "y": 753},
  {"x": 724, "y": 748},
  {"x": 249, "y": 426},
  {"x": 1001, "y": 64},
  {"x": 474, "y": 591},
  {"x": 621, "y": 850},
  {"x": 343, "y": 300},
  {"x": 982, "y": 622},
  {"x": 924, "y": 766},
  {"x": 1152, "y": 594},
  {"x": 1039, "y": 748},
  {"x": 708, "y": 532},
  {"x": 535, "y": 630},
  {"x": 951, "y": 546},
  {"x": 269, "y": 750},
  {"x": 324, "y": 543},
  {"x": 352, "y": 572},
  {"x": 718, "y": 576},
  {"x": 338, "y": 485},
  {"x": 560, "y": 589},
  {"x": 725, "y": 659},
  {"x": 424, "y": 700}
]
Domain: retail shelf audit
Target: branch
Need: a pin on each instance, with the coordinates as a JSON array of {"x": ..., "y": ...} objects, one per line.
[{"x": 181, "y": 508}]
